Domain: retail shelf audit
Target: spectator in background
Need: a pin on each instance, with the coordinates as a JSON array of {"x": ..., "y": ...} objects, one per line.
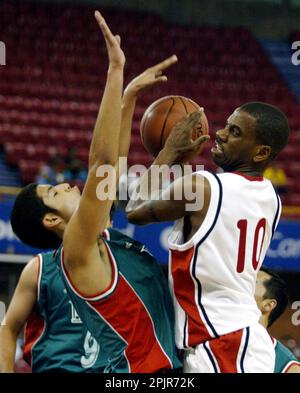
[
  {"x": 46, "y": 175},
  {"x": 75, "y": 168},
  {"x": 277, "y": 176},
  {"x": 53, "y": 172},
  {"x": 61, "y": 170}
]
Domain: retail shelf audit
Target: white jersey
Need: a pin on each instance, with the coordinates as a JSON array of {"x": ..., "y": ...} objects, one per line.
[{"x": 213, "y": 275}]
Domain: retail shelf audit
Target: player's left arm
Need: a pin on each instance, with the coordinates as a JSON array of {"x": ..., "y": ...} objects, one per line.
[
  {"x": 150, "y": 77},
  {"x": 21, "y": 306}
]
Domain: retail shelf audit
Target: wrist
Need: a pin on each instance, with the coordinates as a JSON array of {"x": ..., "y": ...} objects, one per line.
[
  {"x": 116, "y": 68},
  {"x": 129, "y": 96},
  {"x": 167, "y": 157}
]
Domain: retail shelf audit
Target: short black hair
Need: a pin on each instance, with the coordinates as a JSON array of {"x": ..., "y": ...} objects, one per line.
[
  {"x": 271, "y": 125},
  {"x": 26, "y": 219},
  {"x": 112, "y": 212},
  {"x": 276, "y": 288}
]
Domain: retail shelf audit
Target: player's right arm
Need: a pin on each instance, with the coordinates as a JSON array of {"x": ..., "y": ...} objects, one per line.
[
  {"x": 81, "y": 253},
  {"x": 21, "y": 305}
]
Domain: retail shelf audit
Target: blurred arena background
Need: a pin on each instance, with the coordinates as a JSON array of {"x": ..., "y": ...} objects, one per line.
[{"x": 230, "y": 52}]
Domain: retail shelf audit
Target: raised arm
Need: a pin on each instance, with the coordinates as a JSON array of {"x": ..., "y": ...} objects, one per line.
[
  {"x": 187, "y": 195},
  {"x": 150, "y": 77},
  {"x": 81, "y": 233},
  {"x": 22, "y": 303}
]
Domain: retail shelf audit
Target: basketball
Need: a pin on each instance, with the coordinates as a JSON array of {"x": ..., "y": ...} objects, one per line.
[{"x": 160, "y": 117}]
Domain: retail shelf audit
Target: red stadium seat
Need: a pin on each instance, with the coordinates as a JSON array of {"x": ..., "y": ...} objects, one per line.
[{"x": 51, "y": 93}]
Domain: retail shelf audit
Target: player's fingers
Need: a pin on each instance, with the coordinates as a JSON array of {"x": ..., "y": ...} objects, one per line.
[
  {"x": 201, "y": 110},
  {"x": 199, "y": 141},
  {"x": 193, "y": 118},
  {"x": 166, "y": 63},
  {"x": 118, "y": 38},
  {"x": 109, "y": 37},
  {"x": 187, "y": 124},
  {"x": 162, "y": 78}
]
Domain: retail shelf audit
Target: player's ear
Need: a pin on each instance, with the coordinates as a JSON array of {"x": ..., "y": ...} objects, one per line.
[
  {"x": 51, "y": 220},
  {"x": 268, "y": 305},
  {"x": 262, "y": 153}
]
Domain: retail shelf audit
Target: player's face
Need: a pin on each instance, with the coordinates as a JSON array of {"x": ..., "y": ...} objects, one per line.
[
  {"x": 236, "y": 143},
  {"x": 260, "y": 289},
  {"x": 62, "y": 197}
]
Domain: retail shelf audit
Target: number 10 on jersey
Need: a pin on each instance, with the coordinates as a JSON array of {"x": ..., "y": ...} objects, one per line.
[{"x": 243, "y": 228}]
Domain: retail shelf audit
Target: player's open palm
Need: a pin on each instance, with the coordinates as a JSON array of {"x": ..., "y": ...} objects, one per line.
[
  {"x": 151, "y": 76},
  {"x": 113, "y": 43}
]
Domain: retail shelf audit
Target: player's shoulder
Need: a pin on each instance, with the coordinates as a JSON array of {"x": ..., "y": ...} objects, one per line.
[
  {"x": 38, "y": 263},
  {"x": 32, "y": 265},
  {"x": 125, "y": 242},
  {"x": 30, "y": 273},
  {"x": 205, "y": 178},
  {"x": 115, "y": 235}
]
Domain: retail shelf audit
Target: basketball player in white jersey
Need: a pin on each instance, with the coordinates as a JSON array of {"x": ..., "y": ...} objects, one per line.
[{"x": 216, "y": 251}]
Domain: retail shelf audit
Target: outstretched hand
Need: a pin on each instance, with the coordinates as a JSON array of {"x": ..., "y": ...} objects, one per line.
[
  {"x": 182, "y": 142},
  {"x": 151, "y": 76},
  {"x": 113, "y": 43}
]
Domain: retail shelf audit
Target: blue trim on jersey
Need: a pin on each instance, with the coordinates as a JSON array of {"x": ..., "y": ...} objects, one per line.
[
  {"x": 196, "y": 254},
  {"x": 245, "y": 349},
  {"x": 277, "y": 212},
  {"x": 211, "y": 358},
  {"x": 185, "y": 341}
]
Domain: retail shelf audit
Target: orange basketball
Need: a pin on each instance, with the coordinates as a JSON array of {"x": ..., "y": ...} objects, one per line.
[{"x": 160, "y": 117}]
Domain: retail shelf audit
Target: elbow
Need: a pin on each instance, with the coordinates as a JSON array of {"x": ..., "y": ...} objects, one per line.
[
  {"x": 130, "y": 216},
  {"x": 134, "y": 218},
  {"x": 96, "y": 160}
]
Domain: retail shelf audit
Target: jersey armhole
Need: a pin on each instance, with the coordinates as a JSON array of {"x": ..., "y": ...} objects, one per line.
[
  {"x": 39, "y": 277},
  {"x": 278, "y": 212},
  {"x": 97, "y": 296},
  {"x": 106, "y": 234},
  {"x": 289, "y": 365},
  {"x": 210, "y": 219}
]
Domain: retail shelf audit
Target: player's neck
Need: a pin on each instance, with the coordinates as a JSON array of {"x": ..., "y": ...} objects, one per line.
[
  {"x": 60, "y": 232},
  {"x": 248, "y": 171},
  {"x": 264, "y": 321}
]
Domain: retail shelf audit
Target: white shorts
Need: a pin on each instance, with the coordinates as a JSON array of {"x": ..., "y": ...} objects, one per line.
[{"x": 249, "y": 350}]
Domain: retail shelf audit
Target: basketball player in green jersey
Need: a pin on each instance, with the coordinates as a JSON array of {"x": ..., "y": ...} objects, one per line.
[
  {"x": 272, "y": 299},
  {"x": 55, "y": 339},
  {"x": 131, "y": 315}
]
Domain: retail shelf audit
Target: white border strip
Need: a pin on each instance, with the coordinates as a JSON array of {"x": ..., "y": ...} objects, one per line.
[
  {"x": 15, "y": 258},
  {"x": 288, "y": 365},
  {"x": 104, "y": 294}
]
